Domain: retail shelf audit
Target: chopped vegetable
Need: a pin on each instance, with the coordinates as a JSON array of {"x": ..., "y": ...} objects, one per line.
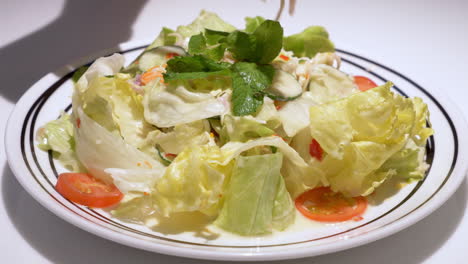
[
  {"x": 364, "y": 83},
  {"x": 315, "y": 150},
  {"x": 323, "y": 205},
  {"x": 86, "y": 190}
]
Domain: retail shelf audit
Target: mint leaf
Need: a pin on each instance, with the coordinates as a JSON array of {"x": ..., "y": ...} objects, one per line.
[
  {"x": 241, "y": 45},
  {"x": 252, "y": 23},
  {"x": 194, "y": 67},
  {"x": 269, "y": 41},
  {"x": 244, "y": 101},
  {"x": 198, "y": 44},
  {"x": 248, "y": 82},
  {"x": 171, "y": 76}
]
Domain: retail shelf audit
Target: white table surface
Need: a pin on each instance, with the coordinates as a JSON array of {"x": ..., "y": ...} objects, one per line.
[{"x": 425, "y": 40}]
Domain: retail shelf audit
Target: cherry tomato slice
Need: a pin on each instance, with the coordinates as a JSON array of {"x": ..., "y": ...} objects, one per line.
[
  {"x": 364, "y": 83},
  {"x": 315, "y": 150},
  {"x": 323, "y": 205},
  {"x": 86, "y": 190}
]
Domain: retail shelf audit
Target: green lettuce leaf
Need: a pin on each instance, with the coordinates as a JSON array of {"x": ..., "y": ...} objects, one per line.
[
  {"x": 298, "y": 179},
  {"x": 163, "y": 39},
  {"x": 284, "y": 212},
  {"x": 309, "y": 42},
  {"x": 252, "y": 23},
  {"x": 242, "y": 129},
  {"x": 111, "y": 101},
  {"x": 329, "y": 84},
  {"x": 195, "y": 181},
  {"x": 233, "y": 149},
  {"x": 167, "y": 106},
  {"x": 359, "y": 134},
  {"x": 254, "y": 190},
  {"x": 57, "y": 135},
  {"x": 181, "y": 137},
  {"x": 205, "y": 20},
  {"x": 101, "y": 151},
  {"x": 421, "y": 132},
  {"x": 299, "y": 109},
  {"x": 408, "y": 163}
]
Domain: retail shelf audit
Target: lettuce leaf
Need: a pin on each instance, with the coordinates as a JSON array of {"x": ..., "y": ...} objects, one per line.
[
  {"x": 111, "y": 102},
  {"x": 175, "y": 105},
  {"x": 205, "y": 20},
  {"x": 181, "y": 137},
  {"x": 194, "y": 181},
  {"x": 421, "y": 132},
  {"x": 243, "y": 128},
  {"x": 408, "y": 163},
  {"x": 57, "y": 135},
  {"x": 329, "y": 84},
  {"x": 163, "y": 39},
  {"x": 294, "y": 115},
  {"x": 100, "y": 150},
  {"x": 233, "y": 149},
  {"x": 284, "y": 212},
  {"x": 254, "y": 190},
  {"x": 298, "y": 179},
  {"x": 326, "y": 84},
  {"x": 309, "y": 42},
  {"x": 197, "y": 178},
  {"x": 359, "y": 134}
]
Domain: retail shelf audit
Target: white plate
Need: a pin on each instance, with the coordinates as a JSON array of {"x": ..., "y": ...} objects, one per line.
[{"x": 37, "y": 173}]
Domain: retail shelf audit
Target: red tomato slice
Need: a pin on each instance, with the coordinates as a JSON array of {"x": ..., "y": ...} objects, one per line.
[
  {"x": 171, "y": 55},
  {"x": 323, "y": 205},
  {"x": 86, "y": 190},
  {"x": 364, "y": 83},
  {"x": 315, "y": 150}
]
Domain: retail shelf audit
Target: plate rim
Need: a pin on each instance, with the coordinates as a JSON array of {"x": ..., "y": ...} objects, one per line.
[{"x": 445, "y": 193}]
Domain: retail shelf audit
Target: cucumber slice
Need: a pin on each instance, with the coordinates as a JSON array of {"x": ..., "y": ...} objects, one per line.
[
  {"x": 281, "y": 98},
  {"x": 284, "y": 87},
  {"x": 164, "y": 160},
  {"x": 153, "y": 57}
]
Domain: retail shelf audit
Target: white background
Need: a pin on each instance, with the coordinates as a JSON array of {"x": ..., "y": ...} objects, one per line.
[{"x": 425, "y": 40}]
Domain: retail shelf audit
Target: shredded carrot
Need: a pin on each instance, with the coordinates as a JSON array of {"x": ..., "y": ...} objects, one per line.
[
  {"x": 145, "y": 193},
  {"x": 212, "y": 135},
  {"x": 170, "y": 155},
  {"x": 151, "y": 74},
  {"x": 148, "y": 164},
  {"x": 284, "y": 57},
  {"x": 78, "y": 123}
]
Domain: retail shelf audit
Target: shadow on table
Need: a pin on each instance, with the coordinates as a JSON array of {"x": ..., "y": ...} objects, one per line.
[
  {"x": 58, "y": 241},
  {"x": 82, "y": 28}
]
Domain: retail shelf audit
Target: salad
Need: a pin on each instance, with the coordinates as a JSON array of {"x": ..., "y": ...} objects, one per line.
[{"x": 243, "y": 126}]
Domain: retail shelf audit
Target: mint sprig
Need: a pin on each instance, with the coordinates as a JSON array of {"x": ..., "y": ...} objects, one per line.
[
  {"x": 249, "y": 80},
  {"x": 251, "y": 75}
]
